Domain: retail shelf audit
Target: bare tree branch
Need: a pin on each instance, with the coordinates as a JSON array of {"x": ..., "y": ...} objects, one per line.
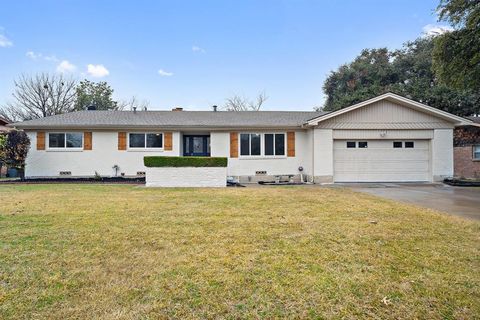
[
  {"x": 239, "y": 103},
  {"x": 133, "y": 102},
  {"x": 40, "y": 96}
]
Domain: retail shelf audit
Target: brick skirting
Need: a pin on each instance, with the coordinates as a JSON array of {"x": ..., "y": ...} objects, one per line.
[{"x": 464, "y": 165}]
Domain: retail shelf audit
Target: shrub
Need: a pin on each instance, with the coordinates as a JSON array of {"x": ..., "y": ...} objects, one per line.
[
  {"x": 185, "y": 162},
  {"x": 15, "y": 148}
]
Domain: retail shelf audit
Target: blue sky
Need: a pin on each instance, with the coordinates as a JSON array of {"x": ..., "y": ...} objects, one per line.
[{"x": 195, "y": 54}]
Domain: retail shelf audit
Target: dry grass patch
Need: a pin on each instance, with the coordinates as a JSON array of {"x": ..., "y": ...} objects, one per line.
[{"x": 123, "y": 252}]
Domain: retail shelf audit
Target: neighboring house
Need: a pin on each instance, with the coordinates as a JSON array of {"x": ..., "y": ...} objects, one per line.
[
  {"x": 3, "y": 125},
  {"x": 387, "y": 138},
  {"x": 466, "y": 150}
]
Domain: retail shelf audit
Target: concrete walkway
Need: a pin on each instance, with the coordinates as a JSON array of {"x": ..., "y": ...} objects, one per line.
[{"x": 460, "y": 201}]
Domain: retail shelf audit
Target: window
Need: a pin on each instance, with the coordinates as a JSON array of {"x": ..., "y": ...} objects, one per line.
[
  {"x": 409, "y": 144},
  {"x": 351, "y": 144},
  {"x": 476, "y": 152},
  {"x": 250, "y": 144},
  {"x": 65, "y": 140},
  {"x": 262, "y": 144},
  {"x": 154, "y": 140},
  {"x": 74, "y": 140},
  {"x": 363, "y": 144},
  {"x": 274, "y": 144},
  {"x": 145, "y": 140},
  {"x": 397, "y": 144},
  {"x": 136, "y": 140}
]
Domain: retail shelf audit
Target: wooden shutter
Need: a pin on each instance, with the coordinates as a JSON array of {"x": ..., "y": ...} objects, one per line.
[
  {"x": 291, "y": 144},
  {"x": 167, "y": 141},
  {"x": 87, "y": 141},
  {"x": 122, "y": 141},
  {"x": 233, "y": 144},
  {"x": 40, "y": 140}
]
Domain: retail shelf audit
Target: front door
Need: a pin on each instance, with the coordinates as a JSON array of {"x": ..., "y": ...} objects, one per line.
[{"x": 196, "y": 145}]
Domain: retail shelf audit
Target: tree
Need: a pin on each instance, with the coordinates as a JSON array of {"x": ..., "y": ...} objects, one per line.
[
  {"x": 15, "y": 148},
  {"x": 456, "y": 56},
  {"x": 40, "y": 96},
  {"x": 133, "y": 103},
  {"x": 367, "y": 76},
  {"x": 239, "y": 103},
  {"x": 407, "y": 72},
  {"x": 3, "y": 141},
  {"x": 98, "y": 94}
]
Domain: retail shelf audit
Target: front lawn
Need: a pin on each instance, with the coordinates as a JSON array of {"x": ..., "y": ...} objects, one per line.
[{"x": 126, "y": 252}]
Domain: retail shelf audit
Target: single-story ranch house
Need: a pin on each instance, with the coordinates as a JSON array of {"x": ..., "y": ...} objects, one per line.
[{"x": 387, "y": 138}]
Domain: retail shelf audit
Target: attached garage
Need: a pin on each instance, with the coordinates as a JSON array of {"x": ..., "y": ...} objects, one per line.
[
  {"x": 381, "y": 160},
  {"x": 388, "y": 138}
]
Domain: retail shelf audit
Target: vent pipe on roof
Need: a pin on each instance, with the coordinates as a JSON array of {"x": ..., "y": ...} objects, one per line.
[
  {"x": 134, "y": 109},
  {"x": 214, "y": 108}
]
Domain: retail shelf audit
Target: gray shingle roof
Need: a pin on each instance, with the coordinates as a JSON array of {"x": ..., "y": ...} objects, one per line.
[
  {"x": 474, "y": 119},
  {"x": 171, "y": 119}
]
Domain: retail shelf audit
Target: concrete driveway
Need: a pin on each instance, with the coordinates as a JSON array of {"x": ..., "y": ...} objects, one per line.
[{"x": 460, "y": 201}]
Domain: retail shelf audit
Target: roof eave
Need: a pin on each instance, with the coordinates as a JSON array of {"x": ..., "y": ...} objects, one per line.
[
  {"x": 157, "y": 127},
  {"x": 456, "y": 120}
]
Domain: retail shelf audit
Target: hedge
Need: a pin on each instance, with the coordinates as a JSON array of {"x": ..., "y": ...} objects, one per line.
[{"x": 156, "y": 161}]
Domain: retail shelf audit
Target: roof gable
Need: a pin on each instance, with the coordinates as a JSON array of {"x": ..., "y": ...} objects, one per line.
[{"x": 409, "y": 104}]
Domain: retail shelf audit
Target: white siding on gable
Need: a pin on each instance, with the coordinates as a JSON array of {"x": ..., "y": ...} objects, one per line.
[
  {"x": 382, "y": 134},
  {"x": 385, "y": 115}
]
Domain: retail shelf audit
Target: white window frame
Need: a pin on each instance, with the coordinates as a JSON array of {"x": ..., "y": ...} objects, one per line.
[
  {"x": 475, "y": 146},
  {"x": 65, "y": 148},
  {"x": 262, "y": 146},
  {"x": 145, "y": 140}
]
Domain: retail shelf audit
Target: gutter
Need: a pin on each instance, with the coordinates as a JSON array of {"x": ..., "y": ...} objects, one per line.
[{"x": 154, "y": 127}]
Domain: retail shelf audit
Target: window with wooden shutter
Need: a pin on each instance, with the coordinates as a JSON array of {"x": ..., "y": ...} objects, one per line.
[
  {"x": 291, "y": 144},
  {"x": 87, "y": 141},
  {"x": 40, "y": 140},
  {"x": 168, "y": 143},
  {"x": 233, "y": 144},
  {"x": 122, "y": 141}
]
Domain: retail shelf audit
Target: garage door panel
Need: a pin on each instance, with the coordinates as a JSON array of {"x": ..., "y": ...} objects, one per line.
[
  {"x": 381, "y": 162},
  {"x": 382, "y": 177},
  {"x": 388, "y": 155}
]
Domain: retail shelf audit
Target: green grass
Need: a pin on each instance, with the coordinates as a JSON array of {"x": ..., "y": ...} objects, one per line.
[{"x": 124, "y": 252}]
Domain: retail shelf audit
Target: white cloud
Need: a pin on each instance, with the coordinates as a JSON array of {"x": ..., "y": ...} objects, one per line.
[
  {"x": 32, "y": 55},
  {"x": 436, "y": 30},
  {"x": 5, "y": 42},
  {"x": 164, "y": 73},
  {"x": 97, "y": 70},
  {"x": 37, "y": 55},
  {"x": 50, "y": 58},
  {"x": 198, "y": 49},
  {"x": 66, "y": 66}
]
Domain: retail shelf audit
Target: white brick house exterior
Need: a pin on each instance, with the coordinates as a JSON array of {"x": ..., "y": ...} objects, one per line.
[{"x": 387, "y": 138}]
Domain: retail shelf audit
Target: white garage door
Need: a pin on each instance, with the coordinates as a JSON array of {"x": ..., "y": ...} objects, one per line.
[{"x": 381, "y": 160}]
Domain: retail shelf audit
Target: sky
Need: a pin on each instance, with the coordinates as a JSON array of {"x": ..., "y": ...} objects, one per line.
[{"x": 195, "y": 54}]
